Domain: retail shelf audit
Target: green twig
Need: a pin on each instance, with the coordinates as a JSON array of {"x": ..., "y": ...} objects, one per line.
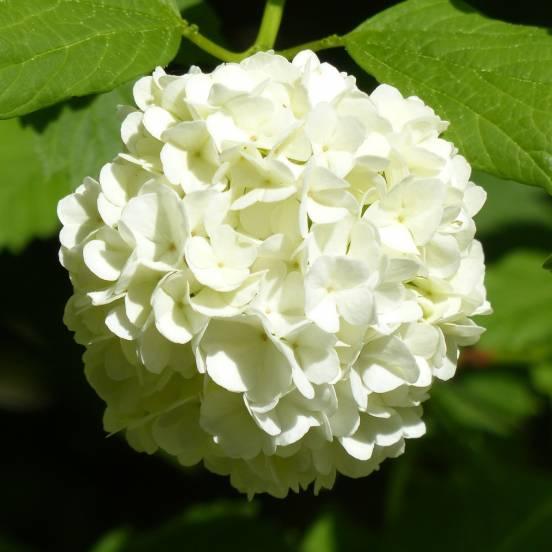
[
  {"x": 268, "y": 31},
  {"x": 332, "y": 41},
  {"x": 191, "y": 32},
  {"x": 270, "y": 25},
  {"x": 266, "y": 37}
]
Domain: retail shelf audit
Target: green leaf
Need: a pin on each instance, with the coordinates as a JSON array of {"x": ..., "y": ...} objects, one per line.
[
  {"x": 82, "y": 138},
  {"x": 114, "y": 541},
  {"x": 54, "y": 49},
  {"x": 25, "y": 202},
  {"x": 46, "y": 155},
  {"x": 532, "y": 531},
  {"x": 476, "y": 502},
  {"x": 541, "y": 376},
  {"x": 321, "y": 537},
  {"x": 520, "y": 293},
  {"x": 220, "y": 526},
  {"x": 491, "y": 80},
  {"x": 548, "y": 263},
  {"x": 497, "y": 402},
  {"x": 334, "y": 531}
]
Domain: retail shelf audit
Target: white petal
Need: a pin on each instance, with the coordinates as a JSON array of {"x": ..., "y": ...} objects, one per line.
[
  {"x": 397, "y": 236},
  {"x": 232, "y": 352},
  {"x": 143, "y": 92},
  {"x": 385, "y": 364},
  {"x": 109, "y": 212},
  {"x": 209, "y": 270},
  {"x": 359, "y": 446},
  {"x": 155, "y": 350},
  {"x": 80, "y": 206},
  {"x": 321, "y": 123},
  {"x": 178, "y": 433},
  {"x": 412, "y": 424},
  {"x": 442, "y": 255},
  {"x": 424, "y": 202},
  {"x": 106, "y": 255},
  {"x": 267, "y": 421},
  {"x": 139, "y": 291},
  {"x": 157, "y": 120},
  {"x": 474, "y": 198},
  {"x": 320, "y": 307},
  {"x": 320, "y": 366},
  {"x": 188, "y": 135},
  {"x": 356, "y": 305},
  {"x": 380, "y": 380},
  {"x": 346, "y": 419},
  {"x": 118, "y": 322},
  {"x": 225, "y": 304},
  {"x": 174, "y": 316},
  {"x": 295, "y": 424},
  {"x": 388, "y": 431}
]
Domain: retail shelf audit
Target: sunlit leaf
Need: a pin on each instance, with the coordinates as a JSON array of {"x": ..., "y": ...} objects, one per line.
[
  {"x": 55, "y": 49},
  {"x": 46, "y": 155},
  {"x": 490, "y": 79}
]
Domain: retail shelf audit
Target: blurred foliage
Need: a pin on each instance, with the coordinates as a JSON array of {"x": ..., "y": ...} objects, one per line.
[
  {"x": 43, "y": 155},
  {"x": 497, "y": 402},
  {"x": 218, "y": 526},
  {"x": 481, "y": 480},
  {"x": 9, "y": 545},
  {"x": 521, "y": 295},
  {"x": 510, "y": 208},
  {"x": 541, "y": 376}
]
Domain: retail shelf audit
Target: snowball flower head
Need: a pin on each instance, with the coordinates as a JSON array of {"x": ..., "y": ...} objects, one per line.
[{"x": 272, "y": 273}]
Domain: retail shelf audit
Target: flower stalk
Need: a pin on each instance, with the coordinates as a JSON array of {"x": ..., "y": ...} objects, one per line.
[
  {"x": 332, "y": 41},
  {"x": 266, "y": 37},
  {"x": 191, "y": 33},
  {"x": 270, "y": 25}
]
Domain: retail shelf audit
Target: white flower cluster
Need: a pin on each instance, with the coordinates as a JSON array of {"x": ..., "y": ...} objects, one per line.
[{"x": 273, "y": 272}]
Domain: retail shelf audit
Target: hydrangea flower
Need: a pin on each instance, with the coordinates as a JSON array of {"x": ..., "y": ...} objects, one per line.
[{"x": 273, "y": 272}]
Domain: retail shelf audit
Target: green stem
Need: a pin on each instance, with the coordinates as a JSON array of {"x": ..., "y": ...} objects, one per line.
[
  {"x": 191, "y": 32},
  {"x": 270, "y": 25},
  {"x": 265, "y": 40},
  {"x": 332, "y": 41}
]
